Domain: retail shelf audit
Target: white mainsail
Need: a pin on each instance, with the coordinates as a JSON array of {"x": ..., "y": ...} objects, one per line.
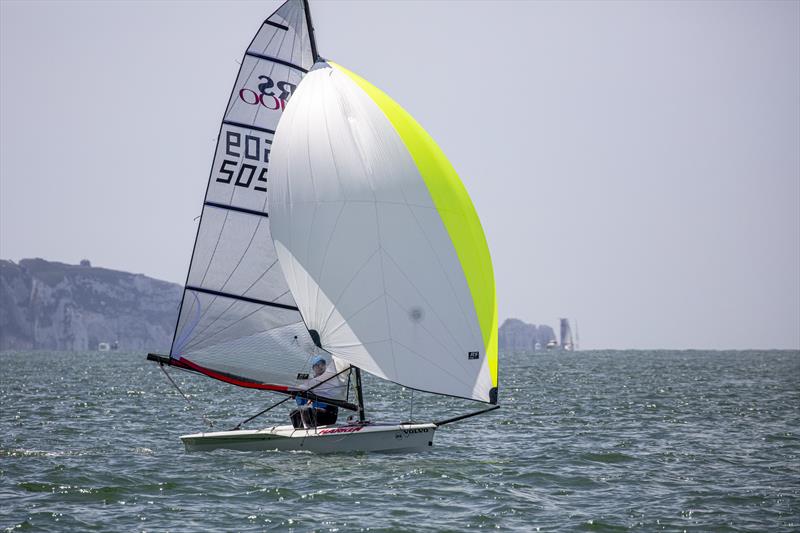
[{"x": 238, "y": 320}]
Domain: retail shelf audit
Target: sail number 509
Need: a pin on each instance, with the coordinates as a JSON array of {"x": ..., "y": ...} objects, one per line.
[{"x": 249, "y": 147}]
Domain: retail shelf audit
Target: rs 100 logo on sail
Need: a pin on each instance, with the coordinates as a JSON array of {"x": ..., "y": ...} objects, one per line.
[{"x": 270, "y": 94}]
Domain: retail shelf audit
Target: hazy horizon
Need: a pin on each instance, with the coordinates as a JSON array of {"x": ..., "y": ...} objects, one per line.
[{"x": 636, "y": 166}]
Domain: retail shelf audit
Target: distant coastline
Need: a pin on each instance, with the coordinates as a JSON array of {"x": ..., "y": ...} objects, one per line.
[
  {"x": 518, "y": 336},
  {"x": 48, "y": 305}
]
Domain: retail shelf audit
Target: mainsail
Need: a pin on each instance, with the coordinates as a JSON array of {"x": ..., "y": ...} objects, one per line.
[
  {"x": 238, "y": 320},
  {"x": 379, "y": 241}
]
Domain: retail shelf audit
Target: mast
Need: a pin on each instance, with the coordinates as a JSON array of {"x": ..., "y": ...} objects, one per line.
[
  {"x": 360, "y": 396},
  {"x": 314, "y": 52}
]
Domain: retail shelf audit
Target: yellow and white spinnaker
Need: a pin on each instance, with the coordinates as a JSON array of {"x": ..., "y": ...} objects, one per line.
[{"x": 379, "y": 241}]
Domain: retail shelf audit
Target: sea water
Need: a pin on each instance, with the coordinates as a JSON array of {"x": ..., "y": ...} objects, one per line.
[{"x": 585, "y": 441}]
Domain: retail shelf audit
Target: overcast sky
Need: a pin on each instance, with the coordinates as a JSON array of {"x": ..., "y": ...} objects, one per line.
[{"x": 636, "y": 165}]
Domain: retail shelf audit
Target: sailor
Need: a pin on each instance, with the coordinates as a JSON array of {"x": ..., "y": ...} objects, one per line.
[{"x": 310, "y": 413}]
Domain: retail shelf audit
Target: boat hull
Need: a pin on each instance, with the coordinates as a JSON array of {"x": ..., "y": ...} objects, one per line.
[{"x": 324, "y": 439}]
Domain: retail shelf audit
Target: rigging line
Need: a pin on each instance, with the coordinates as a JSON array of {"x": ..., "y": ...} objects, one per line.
[
  {"x": 191, "y": 405},
  {"x": 411, "y": 412},
  {"x": 321, "y": 398},
  {"x": 240, "y": 424},
  {"x": 430, "y": 391},
  {"x": 468, "y": 415}
]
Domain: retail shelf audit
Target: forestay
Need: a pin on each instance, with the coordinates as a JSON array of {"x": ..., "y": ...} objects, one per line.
[
  {"x": 379, "y": 241},
  {"x": 238, "y": 320}
]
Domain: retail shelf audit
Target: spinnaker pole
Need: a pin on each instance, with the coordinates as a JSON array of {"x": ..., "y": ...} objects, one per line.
[{"x": 468, "y": 415}]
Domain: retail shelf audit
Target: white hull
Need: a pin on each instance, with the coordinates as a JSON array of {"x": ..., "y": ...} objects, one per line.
[{"x": 324, "y": 439}]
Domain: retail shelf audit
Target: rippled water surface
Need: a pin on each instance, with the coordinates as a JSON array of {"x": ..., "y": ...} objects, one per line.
[{"x": 590, "y": 441}]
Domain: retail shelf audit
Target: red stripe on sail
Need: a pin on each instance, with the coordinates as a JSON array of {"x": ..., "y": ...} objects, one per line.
[{"x": 233, "y": 380}]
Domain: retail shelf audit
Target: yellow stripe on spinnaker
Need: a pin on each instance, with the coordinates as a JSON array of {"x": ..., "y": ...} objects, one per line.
[{"x": 454, "y": 206}]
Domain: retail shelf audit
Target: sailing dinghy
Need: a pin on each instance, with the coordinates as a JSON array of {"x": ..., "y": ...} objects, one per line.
[{"x": 333, "y": 226}]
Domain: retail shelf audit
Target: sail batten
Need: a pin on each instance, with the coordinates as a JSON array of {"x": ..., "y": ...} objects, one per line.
[
  {"x": 275, "y": 24},
  {"x": 241, "y": 298},
  {"x": 278, "y": 61},
  {"x": 238, "y": 209},
  {"x": 248, "y": 126}
]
